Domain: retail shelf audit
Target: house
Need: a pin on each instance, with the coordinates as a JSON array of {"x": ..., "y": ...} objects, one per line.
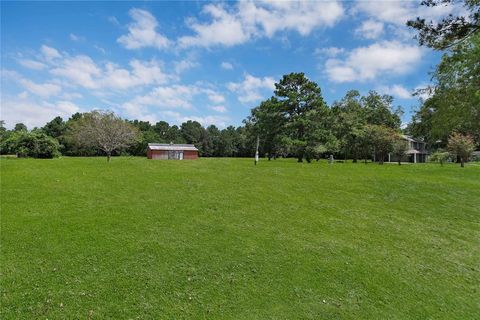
[
  {"x": 416, "y": 152},
  {"x": 171, "y": 151}
]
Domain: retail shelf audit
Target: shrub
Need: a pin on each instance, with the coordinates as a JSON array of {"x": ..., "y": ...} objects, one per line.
[
  {"x": 440, "y": 157},
  {"x": 32, "y": 144}
]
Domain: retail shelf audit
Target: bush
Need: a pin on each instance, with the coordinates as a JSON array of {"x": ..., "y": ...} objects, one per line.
[
  {"x": 31, "y": 144},
  {"x": 440, "y": 157}
]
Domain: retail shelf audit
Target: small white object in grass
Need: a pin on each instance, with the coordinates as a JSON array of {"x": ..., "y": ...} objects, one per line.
[{"x": 324, "y": 301}]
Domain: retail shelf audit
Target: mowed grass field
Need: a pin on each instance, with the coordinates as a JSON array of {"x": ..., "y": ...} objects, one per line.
[{"x": 222, "y": 239}]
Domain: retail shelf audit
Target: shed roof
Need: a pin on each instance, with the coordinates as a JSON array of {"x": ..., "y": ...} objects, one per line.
[{"x": 172, "y": 147}]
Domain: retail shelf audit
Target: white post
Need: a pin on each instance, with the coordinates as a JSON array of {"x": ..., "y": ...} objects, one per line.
[
  {"x": 389, "y": 157},
  {"x": 414, "y": 158},
  {"x": 256, "y": 152}
]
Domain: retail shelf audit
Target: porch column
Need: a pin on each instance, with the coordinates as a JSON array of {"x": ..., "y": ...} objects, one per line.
[
  {"x": 414, "y": 158},
  {"x": 389, "y": 157}
]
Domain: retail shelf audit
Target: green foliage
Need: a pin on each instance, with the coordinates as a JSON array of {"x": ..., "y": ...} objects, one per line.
[
  {"x": 450, "y": 30},
  {"x": 20, "y": 127},
  {"x": 400, "y": 148},
  {"x": 382, "y": 139},
  {"x": 31, "y": 144},
  {"x": 55, "y": 128},
  {"x": 440, "y": 157},
  {"x": 454, "y": 104}
]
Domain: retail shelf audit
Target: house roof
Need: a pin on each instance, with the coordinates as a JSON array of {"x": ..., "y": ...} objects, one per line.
[
  {"x": 409, "y": 138},
  {"x": 172, "y": 147}
]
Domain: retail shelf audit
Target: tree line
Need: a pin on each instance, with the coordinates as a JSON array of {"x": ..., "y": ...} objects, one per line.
[
  {"x": 297, "y": 122},
  {"x": 294, "y": 122}
]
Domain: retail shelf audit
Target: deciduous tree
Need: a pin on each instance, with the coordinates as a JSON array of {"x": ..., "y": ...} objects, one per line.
[
  {"x": 461, "y": 146},
  {"x": 105, "y": 131}
]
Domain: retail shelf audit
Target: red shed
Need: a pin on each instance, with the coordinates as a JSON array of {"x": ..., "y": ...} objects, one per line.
[{"x": 171, "y": 151}]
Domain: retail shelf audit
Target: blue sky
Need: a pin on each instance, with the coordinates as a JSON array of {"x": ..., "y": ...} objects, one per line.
[{"x": 209, "y": 62}]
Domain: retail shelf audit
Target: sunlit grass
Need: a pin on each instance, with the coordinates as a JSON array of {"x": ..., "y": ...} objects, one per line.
[{"x": 221, "y": 238}]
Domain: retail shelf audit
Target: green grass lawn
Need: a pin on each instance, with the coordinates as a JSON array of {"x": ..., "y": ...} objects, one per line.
[{"x": 222, "y": 239}]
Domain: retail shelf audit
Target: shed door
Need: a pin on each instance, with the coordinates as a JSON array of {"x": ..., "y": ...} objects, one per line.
[{"x": 175, "y": 155}]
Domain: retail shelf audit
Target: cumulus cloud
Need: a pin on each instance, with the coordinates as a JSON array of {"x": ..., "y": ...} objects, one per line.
[
  {"x": 214, "y": 96},
  {"x": 142, "y": 32},
  {"x": 221, "y": 109},
  {"x": 396, "y": 90},
  {"x": 32, "y": 64},
  {"x": 235, "y": 25},
  {"x": 224, "y": 29},
  {"x": 399, "y": 12},
  {"x": 367, "y": 63},
  {"x": 44, "y": 90},
  {"x": 370, "y": 29},
  {"x": 35, "y": 114},
  {"x": 82, "y": 71},
  {"x": 164, "y": 97},
  {"x": 170, "y": 98},
  {"x": 50, "y": 53},
  {"x": 249, "y": 89},
  {"x": 329, "y": 52},
  {"x": 184, "y": 65}
]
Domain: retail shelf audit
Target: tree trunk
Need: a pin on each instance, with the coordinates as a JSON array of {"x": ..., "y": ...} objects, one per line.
[
  {"x": 399, "y": 163},
  {"x": 462, "y": 163},
  {"x": 108, "y": 156}
]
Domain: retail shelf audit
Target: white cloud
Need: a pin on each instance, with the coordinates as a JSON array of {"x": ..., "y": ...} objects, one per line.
[
  {"x": 163, "y": 99},
  {"x": 142, "y": 32},
  {"x": 248, "y": 90},
  {"x": 184, "y": 65},
  {"x": 225, "y": 29},
  {"x": 367, "y": 63},
  {"x": 32, "y": 64},
  {"x": 50, "y": 53},
  {"x": 214, "y": 96},
  {"x": 300, "y": 16},
  {"x": 226, "y": 65},
  {"x": 370, "y": 29},
  {"x": 83, "y": 71},
  {"x": 399, "y": 12},
  {"x": 142, "y": 73},
  {"x": 75, "y": 37},
  {"x": 166, "y": 97},
  {"x": 396, "y": 90},
  {"x": 44, "y": 90},
  {"x": 329, "y": 52},
  {"x": 80, "y": 70},
  {"x": 34, "y": 114},
  {"x": 221, "y": 109},
  {"x": 235, "y": 25}
]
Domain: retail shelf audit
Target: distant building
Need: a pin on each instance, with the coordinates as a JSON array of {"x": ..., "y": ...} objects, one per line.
[
  {"x": 476, "y": 155},
  {"x": 417, "y": 151},
  {"x": 163, "y": 151}
]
